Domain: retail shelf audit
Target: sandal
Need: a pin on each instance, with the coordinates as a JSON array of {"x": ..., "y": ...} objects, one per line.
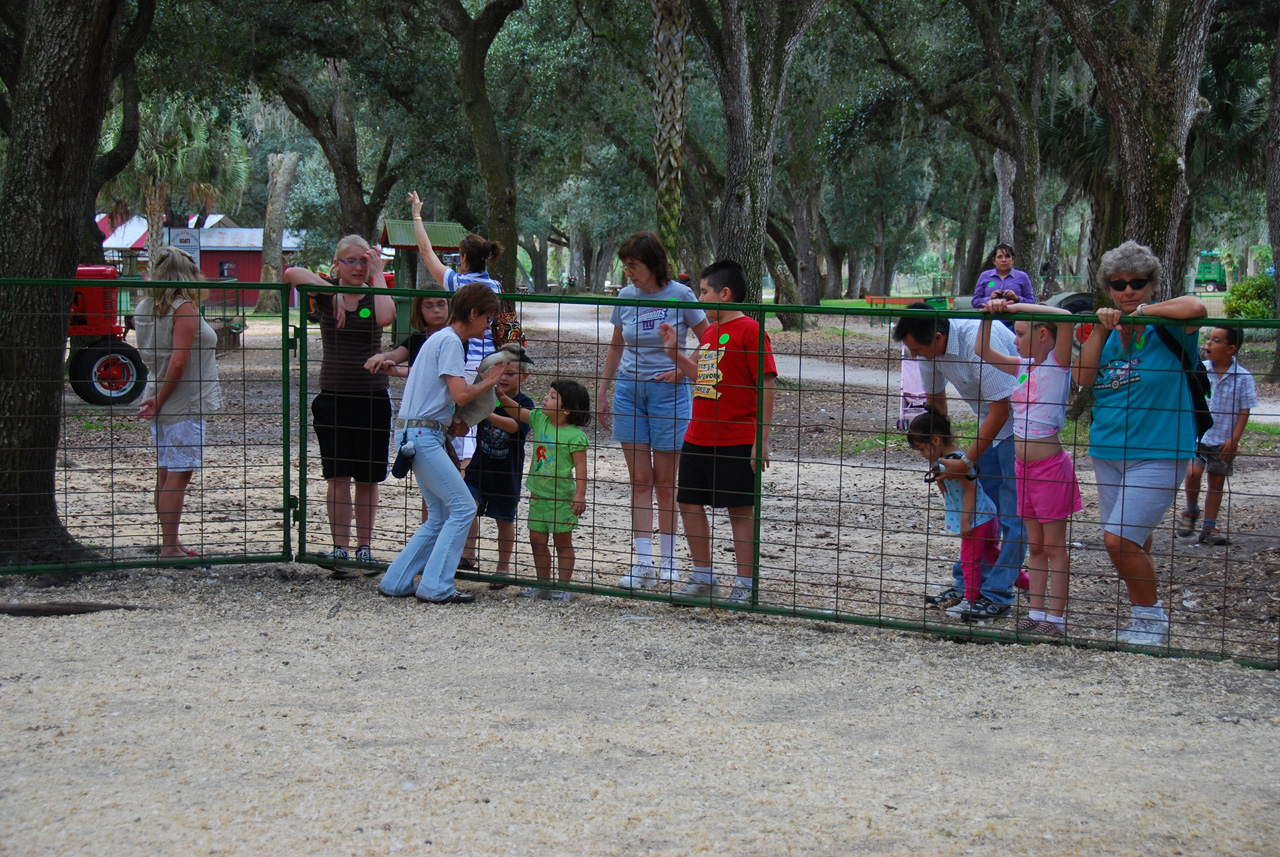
[
  {"x": 1211, "y": 536},
  {"x": 465, "y": 564},
  {"x": 1187, "y": 524}
]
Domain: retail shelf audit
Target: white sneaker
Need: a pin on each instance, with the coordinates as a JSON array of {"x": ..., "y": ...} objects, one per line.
[
  {"x": 1145, "y": 632},
  {"x": 955, "y": 610},
  {"x": 562, "y": 596},
  {"x": 693, "y": 589},
  {"x": 739, "y": 594},
  {"x": 667, "y": 571},
  {"x": 640, "y": 575},
  {"x": 534, "y": 592}
]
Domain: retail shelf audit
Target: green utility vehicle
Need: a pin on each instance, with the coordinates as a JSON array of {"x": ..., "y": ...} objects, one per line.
[{"x": 1211, "y": 274}]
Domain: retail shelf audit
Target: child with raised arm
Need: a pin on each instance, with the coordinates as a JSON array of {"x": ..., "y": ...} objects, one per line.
[
  {"x": 1048, "y": 493},
  {"x": 719, "y": 458},
  {"x": 970, "y": 514},
  {"x": 1233, "y": 394},
  {"x": 557, "y": 480}
]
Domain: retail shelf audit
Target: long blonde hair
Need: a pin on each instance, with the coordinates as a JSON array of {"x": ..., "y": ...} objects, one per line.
[{"x": 172, "y": 264}]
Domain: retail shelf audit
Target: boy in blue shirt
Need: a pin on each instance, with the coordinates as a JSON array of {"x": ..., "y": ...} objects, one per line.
[{"x": 1233, "y": 394}]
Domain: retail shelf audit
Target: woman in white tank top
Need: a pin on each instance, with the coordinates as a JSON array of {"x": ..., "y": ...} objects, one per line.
[{"x": 181, "y": 349}]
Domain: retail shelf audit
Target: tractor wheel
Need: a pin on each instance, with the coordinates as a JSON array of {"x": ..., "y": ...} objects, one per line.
[{"x": 108, "y": 372}]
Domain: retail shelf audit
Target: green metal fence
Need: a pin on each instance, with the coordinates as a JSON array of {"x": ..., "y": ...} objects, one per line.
[
  {"x": 237, "y": 505},
  {"x": 847, "y": 529}
]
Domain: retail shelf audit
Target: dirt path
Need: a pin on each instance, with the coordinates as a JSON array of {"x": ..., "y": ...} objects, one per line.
[{"x": 267, "y": 710}]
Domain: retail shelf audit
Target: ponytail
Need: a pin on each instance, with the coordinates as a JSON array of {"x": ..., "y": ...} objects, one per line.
[
  {"x": 931, "y": 423},
  {"x": 479, "y": 253}
]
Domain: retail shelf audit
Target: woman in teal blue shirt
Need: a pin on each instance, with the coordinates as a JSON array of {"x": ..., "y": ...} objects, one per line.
[{"x": 1143, "y": 432}]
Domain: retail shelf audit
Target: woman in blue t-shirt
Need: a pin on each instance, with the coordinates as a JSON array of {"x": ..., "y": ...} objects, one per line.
[
  {"x": 649, "y": 415},
  {"x": 474, "y": 256},
  {"x": 1143, "y": 431}
]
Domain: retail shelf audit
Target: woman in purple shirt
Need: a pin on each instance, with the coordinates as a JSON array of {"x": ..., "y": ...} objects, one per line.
[{"x": 1003, "y": 281}]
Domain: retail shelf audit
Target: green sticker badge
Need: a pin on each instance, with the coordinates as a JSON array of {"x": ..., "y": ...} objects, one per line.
[
  {"x": 1022, "y": 379},
  {"x": 724, "y": 339},
  {"x": 365, "y": 313}
]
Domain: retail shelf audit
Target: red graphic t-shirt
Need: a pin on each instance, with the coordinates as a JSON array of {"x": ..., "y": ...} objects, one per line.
[{"x": 727, "y": 389}]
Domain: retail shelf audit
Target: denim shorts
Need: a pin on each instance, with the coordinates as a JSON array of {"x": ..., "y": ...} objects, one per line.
[
  {"x": 1133, "y": 496},
  {"x": 180, "y": 444},
  {"x": 495, "y": 506},
  {"x": 651, "y": 412},
  {"x": 1210, "y": 458}
]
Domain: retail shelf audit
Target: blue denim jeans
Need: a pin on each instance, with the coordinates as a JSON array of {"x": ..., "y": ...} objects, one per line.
[
  {"x": 436, "y": 548},
  {"x": 995, "y": 469}
]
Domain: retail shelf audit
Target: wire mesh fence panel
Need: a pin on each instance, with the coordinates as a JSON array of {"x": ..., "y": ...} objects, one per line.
[
  {"x": 846, "y": 527},
  {"x": 225, "y": 449}
]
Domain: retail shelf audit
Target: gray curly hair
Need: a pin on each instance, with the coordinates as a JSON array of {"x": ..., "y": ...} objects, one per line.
[{"x": 1129, "y": 257}]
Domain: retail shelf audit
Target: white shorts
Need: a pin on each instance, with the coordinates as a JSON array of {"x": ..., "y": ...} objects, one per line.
[
  {"x": 179, "y": 445},
  {"x": 1133, "y": 496}
]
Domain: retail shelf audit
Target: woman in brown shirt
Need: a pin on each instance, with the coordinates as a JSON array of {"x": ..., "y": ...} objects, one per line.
[{"x": 352, "y": 413}]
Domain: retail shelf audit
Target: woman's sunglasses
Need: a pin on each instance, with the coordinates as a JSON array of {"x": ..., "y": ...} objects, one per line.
[{"x": 1137, "y": 284}]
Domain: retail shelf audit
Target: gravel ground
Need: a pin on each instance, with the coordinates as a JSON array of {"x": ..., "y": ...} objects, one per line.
[{"x": 268, "y": 710}]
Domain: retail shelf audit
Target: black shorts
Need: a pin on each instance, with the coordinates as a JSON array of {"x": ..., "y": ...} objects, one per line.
[
  {"x": 716, "y": 476},
  {"x": 354, "y": 431}
]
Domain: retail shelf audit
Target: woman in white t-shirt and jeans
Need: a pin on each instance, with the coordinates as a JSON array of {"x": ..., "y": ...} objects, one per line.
[
  {"x": 437, "y": 385},
  {"x": 649, "y": 415}
]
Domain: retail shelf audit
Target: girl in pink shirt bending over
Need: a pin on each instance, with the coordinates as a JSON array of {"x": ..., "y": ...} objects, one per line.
[{"x": 1048, "y": 493}]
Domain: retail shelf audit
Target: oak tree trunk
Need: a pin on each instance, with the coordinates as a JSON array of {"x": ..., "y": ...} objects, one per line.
[
  {"x": 749, "y": 47},
  {"x": 1273, "y": 189},
  {"x": 474, "y": 37},
  {"x": 281, "y": 170},
  {"x": 333, "y": 127},
  {"x": 1146, "y": 58},
  {"x": 68, "y": 54}
]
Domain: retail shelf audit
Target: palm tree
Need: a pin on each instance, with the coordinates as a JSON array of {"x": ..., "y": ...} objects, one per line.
[
  {"x": 180, "y": 150},
  {"x": 670, "y": 113}
]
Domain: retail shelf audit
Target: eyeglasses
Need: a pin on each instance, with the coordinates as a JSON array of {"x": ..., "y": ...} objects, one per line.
[
  {"x": 632, "y": 267},
  {"x": 351, "y": 263},
  {"x": 1137, "y": 284}
]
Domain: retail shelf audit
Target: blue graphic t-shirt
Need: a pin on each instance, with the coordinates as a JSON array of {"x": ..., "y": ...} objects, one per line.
[
  {"x": 1141, "y": 404},
  {"x": 498, "y": 463},
  {"x": 645, "y": 357}
]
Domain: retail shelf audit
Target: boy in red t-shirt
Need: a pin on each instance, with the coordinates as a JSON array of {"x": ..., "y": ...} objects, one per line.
[{"x": 732, "y": 397}]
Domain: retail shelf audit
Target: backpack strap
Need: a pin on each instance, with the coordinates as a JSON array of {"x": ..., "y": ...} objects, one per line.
[
  {"x": 1197, "y": 380},
  {"x": 1171, "y": 342}
]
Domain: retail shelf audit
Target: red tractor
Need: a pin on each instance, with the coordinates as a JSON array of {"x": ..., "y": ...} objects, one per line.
[{"x": 102, "y": 367}]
